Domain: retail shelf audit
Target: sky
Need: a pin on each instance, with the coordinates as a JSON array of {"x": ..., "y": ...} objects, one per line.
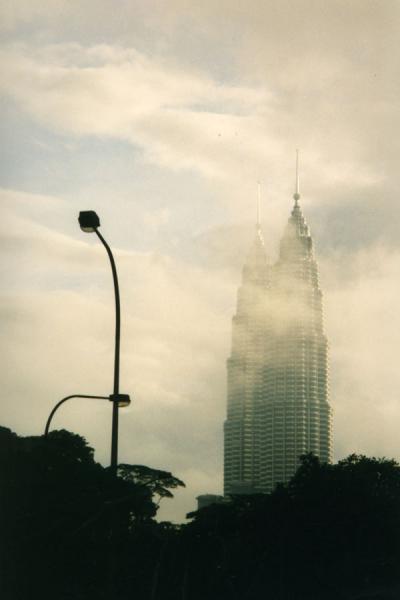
[{"x": 162, "y": 116}]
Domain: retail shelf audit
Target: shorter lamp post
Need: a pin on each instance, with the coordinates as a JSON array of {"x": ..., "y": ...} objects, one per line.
[{"x": 124, "y": 400}]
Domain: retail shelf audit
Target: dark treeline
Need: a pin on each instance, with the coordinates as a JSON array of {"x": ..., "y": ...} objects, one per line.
[{"x": 71, "y": 531}]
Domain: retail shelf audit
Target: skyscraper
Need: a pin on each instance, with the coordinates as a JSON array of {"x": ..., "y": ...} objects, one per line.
[{"x": 277, "y": 405}]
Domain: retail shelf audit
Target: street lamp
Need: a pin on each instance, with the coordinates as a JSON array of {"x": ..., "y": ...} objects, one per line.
[
  {"x": 90, "y": 222},
  {"x": 124, "y": 400}
]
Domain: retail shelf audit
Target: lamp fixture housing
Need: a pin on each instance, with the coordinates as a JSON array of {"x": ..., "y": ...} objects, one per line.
[
  {"x": 122, "y": 399},
  {"x": 89, "y": 221}
]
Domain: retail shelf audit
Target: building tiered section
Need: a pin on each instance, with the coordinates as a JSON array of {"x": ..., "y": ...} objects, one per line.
[{"x": 278, "y": 369}]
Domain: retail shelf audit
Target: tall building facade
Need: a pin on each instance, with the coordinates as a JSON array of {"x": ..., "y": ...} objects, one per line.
[{"x": 277, "y": 404}]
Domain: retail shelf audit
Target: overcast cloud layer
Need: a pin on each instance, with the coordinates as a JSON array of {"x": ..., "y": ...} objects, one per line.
[{"x": 162, "y": 116}]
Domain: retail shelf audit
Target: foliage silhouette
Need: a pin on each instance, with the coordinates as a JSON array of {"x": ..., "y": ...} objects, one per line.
[
  {"x": 331, "y": 533},
  {"x": 55, "y": 506}
]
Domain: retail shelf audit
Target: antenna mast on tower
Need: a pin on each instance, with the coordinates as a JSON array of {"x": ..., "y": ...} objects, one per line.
[{"x": 296, "y": 194}]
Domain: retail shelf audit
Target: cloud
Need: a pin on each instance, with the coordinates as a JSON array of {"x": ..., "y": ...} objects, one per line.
[
  {"x": 14, "y": 14},
  {"x": 180, "y": 118},
  {"x": 102, "y": 91},
  {"x": 363, "y": 323}
]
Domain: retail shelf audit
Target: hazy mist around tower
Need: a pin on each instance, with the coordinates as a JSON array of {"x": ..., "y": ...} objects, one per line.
[{"x": 162, "y": 120}]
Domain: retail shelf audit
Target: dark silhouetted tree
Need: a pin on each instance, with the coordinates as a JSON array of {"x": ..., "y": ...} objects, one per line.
[
  {"x": 57, "y": 506},
  {"x": 331, "y": 533}
]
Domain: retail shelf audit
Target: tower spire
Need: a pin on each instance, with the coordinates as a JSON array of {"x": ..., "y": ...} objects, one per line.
[{"x": 296, "y": 194}]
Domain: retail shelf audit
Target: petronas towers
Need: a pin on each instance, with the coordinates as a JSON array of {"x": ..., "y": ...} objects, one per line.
[{"x": 278, "y": 369}]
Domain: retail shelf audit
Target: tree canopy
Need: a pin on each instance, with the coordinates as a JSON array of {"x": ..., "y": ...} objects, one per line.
[
  {"x": 59, "y": 509},
  {"x": 71, "y": 530}
]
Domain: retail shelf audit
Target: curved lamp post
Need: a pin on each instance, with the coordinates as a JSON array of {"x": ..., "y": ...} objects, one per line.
[
  {"x": 51, "y": 415},
  {"x": 124, "y": 400},
  {"x": 90, "y": 222}
]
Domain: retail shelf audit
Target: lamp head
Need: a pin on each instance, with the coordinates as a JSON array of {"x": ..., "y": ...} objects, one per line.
[
  {"x": 88, "y": 220},
  {"x": 122, "y": 399}
]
